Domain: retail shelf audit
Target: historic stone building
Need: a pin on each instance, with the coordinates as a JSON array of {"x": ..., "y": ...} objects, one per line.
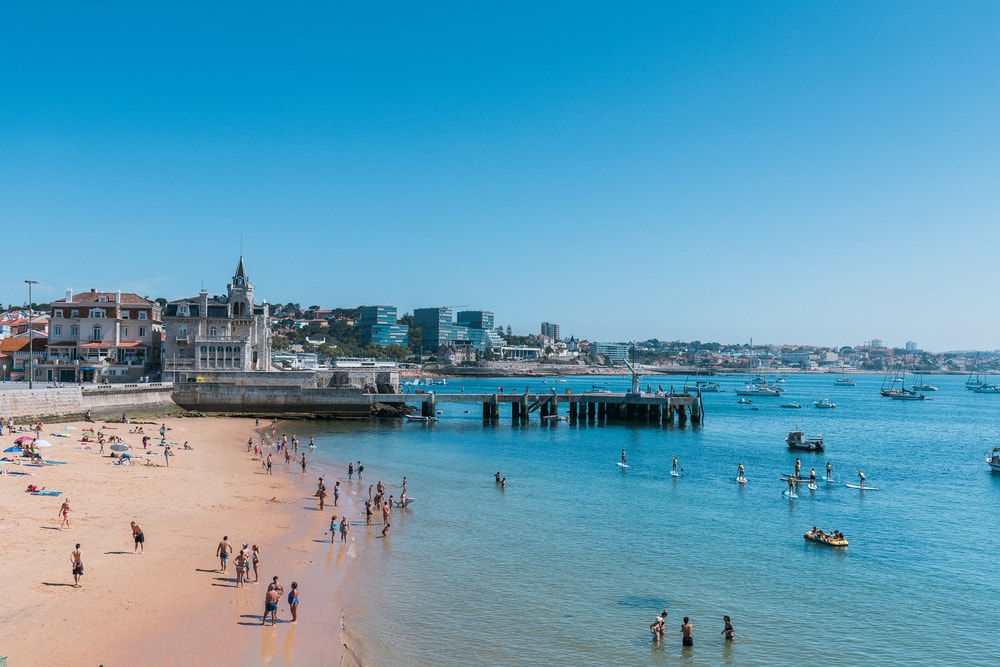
[{"x": 217, "y": 334}]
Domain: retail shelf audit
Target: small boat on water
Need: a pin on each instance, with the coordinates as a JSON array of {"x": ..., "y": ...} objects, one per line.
[
  {"x": 834, "y": 539},
  {"x": 993, "y": 458},
  {"x": 987, "y": 389},
  {"x": 845, "y": 382},
  {"x": 704, "y": 386},
  {"x": 798, "y": 440},
  {"x": 419, "y": 418},
  {"x": 744, "y": 401},
  {"x": 598, "y": 389},
  {"x": 824, "y": 403},
  {"x": 793, "y": 406}
]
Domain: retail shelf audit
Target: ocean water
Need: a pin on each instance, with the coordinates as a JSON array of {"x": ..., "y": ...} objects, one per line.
[{"x": 571, "y": 562}]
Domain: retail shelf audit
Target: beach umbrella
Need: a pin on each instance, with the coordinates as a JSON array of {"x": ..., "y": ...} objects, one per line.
[
  {"x": 42, "y": 443},
  {"x": 24, "y": 438},
  {"x": 10, "y": 450},
  {"x": 119, "y": 447}
]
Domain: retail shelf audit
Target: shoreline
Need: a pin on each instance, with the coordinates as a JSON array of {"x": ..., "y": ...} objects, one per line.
[{"x": 169, "y": 604}]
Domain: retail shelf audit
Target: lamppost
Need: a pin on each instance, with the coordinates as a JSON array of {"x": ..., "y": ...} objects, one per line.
[{"x": 31, "y": 339}]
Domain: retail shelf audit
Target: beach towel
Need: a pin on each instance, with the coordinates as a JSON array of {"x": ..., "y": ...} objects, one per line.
[{"x": 46, "y": 493}]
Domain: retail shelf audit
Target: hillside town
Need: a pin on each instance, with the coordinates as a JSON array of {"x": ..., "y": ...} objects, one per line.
[{"x": 105, "y": 337}]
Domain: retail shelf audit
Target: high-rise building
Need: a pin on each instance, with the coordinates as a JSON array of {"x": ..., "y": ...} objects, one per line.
[
  {"x": 550, "y": 330},
  {"x": 911, "y": 346},
  {"x": 378, "y": 326},
  {"x": 475, "y": 319}
]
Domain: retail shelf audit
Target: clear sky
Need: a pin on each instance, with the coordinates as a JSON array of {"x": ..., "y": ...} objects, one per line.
[{"x": 802, "y": 172}]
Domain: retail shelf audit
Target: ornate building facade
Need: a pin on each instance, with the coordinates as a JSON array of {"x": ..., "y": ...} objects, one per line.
[{"x": 220, "y": 333}]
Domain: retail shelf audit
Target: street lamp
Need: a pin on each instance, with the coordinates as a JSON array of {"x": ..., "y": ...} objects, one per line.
[{"x": 31, "y": 339}]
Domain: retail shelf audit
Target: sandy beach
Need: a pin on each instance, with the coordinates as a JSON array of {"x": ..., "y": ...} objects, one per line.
[{"x": 169, "y": 605}]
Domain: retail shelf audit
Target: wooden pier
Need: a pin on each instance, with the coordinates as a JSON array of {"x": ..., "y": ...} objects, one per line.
[{"x": 594, "y": 408}]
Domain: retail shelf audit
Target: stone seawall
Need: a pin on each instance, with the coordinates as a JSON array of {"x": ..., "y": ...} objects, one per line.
[
  {"x": 275, "y": 400},
  {"x": 48, "y": 403}
]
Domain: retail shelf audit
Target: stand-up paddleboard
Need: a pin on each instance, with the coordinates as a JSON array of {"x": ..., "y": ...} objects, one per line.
[
  {"x": 812, "y": 486},
  {"x": 674, "y": 473},
  {"x": 623, "y": 465},
  {"x": 862, "y": 488},
  {"x": 789, "y": 494},
  {"x": 829, "y": 480},
  {"x": 741, "y": 480}
]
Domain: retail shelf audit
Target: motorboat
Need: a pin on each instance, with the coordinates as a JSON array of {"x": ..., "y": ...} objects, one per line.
[
  {"x": 987, "y": 389},
  {"x": 845, "y": 382},
  {"x": 755, "y": 389},
  {"x": 798, "y": 440},
  {"x": 745, "y": 401},
  {"x": 824, "y": 403},
  {"x": 598, "y": 389},
  {"x": 993, "y": 458},
  {"x": 793, "y": 406},
  {"x": 828, "y": 539}
]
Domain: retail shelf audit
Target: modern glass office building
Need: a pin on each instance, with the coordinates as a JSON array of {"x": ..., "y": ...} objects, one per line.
[{"x": 378, "y": 326}]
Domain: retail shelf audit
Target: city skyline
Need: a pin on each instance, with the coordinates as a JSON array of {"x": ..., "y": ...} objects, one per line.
[{"x": 791, "y": 174}]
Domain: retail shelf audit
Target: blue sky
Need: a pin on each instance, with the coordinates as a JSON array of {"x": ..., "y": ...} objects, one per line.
[{"x": 820, "y": 173}]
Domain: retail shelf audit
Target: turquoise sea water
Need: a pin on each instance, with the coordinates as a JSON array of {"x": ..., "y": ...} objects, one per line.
[{"x": 570, "y": 564}]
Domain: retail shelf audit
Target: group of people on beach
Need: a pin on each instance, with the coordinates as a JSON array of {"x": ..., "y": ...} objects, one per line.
[
  {"x": 247, "y": 557},
  {"x": 658, "y": 628}
]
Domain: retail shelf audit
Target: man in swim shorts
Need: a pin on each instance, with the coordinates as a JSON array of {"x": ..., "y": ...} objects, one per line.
[
  {"x": 76, "y": 558},
  {"x": 270, "y": 605},
  {"x": 687, "y": 633},
  {"x": 139, "y": 538},
  {"x": 223, "y": 551}
]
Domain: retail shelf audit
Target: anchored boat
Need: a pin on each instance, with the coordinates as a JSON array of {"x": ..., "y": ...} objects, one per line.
[{"x": 798, "y": 440}]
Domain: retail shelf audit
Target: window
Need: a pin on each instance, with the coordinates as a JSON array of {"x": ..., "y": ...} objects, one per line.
[
  {"x": 183, "y": 352},
  {"x": 74, "y": 331},
  {"x": 58, "y": 312},
  {"x": 124, "y": 331},
  {"x": 96, "y": 334},
  {"x": 125, "y": 314},
  {"x": 97, "y": 314},
  {"x": 182, "y": 332},
  {"x": 74, "y": 313},
  {"x": 56, "y": 330},
  {"x": 213, "y": 332},
  {"x": 142, "y": 332},
  {"x": 142, "y": 314}
]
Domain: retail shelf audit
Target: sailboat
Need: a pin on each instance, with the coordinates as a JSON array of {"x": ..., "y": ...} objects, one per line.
[
  {"x": 759, "y": 384},
  {"x": 897, "y": 389},
  {"x": 920, "y": 385}
]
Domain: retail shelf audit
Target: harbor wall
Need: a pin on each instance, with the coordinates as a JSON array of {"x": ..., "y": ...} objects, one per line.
[
  {"x": 48, "y": 403},
  {"x": 274, "y": 400}
]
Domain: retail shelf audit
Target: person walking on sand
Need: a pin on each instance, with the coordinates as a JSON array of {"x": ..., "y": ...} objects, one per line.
[
  {"x": 333, "y": 528},
  {"x": 268, "y": 464},
  {"x": 255, "y": 561},
  {"x": 167, "y": 454},
  {"x": 242, "y": 565},
  {"x": 293, "y": 601},
  {"x": 270, "y": 605},
  {"x": 369, "y": 510},
  {"x": 138, "y": 538},
  {"x": 386, "y": 512},
  {"x": 303, "y": 462},
  {"x": 336, "y": 493},
  {"x": 687, "y": 633},
  {"x": 64, "y": 511},
  {"x": 322, "y": 494},
  {"x": 344, "y": 527},
  {"x": 729, "y": 631},
  {"x": 76, "y": 558},
  {"x": 223, "y": 551}
]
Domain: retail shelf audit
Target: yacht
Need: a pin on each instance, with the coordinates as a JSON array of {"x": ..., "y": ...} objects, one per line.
[
  {"x": 845, "y": 382},
  {"x": 824, "y": 403}
]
